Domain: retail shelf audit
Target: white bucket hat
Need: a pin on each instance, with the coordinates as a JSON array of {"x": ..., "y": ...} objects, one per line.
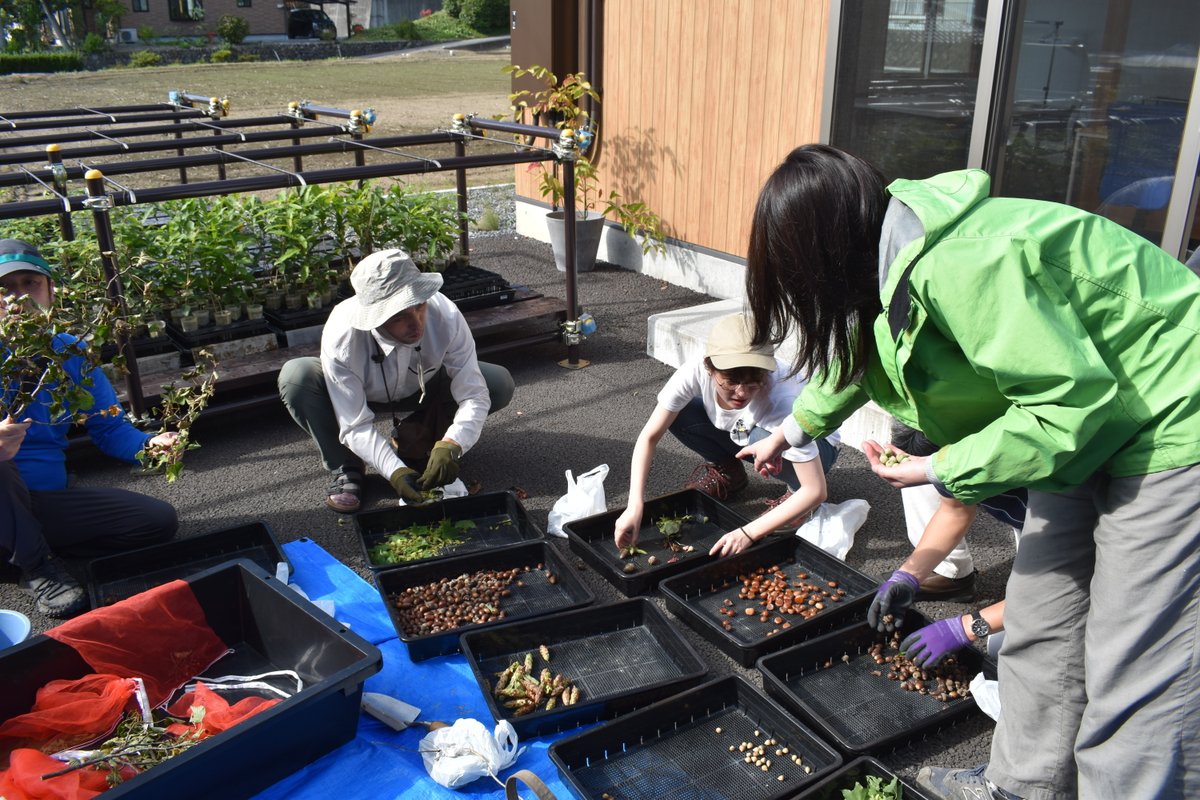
[{"x": 386, "y": 283}]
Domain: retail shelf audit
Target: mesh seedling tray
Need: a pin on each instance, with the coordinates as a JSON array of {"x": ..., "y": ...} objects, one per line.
[
  {"x": 620, "y": 657},
  {"x": 472, "y": 287},
  {"x": 499, "y": 520},
  {"x": 592, "y": 539},
  {"x": 854, "y": 773},
  {"x": 284, "y": 319},
  {"x": 116, "y": 577},
  {"x": 142, "y": 346},
  {"x": 700, "y": 595},
  {"x": 672, "y": 749},
  {"x": 212, "y": 334},
  {"x": 538, "y": 596},
  {"x": 858, "y": 711}
]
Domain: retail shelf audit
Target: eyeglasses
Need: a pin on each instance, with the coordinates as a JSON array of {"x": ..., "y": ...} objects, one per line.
[{"x": 730, "y": 386}]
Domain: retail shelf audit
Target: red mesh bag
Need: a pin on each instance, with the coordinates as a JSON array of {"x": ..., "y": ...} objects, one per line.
[
  {"x": 23, "y": 779},
  {"x": 69, "y": 713},
  {"x": 219, "y": 715}
]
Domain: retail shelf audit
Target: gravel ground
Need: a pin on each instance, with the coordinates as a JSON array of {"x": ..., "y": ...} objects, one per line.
[{"x": 259, "y": 466}]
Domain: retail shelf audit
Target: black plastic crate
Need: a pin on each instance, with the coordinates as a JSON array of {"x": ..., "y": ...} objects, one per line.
[
  {"x": 472, "y": 287},
  {"x": 267, "y": 628},
  {"x": 592, "y": 538},
  {"x": 858, "y": 711},
  {"x": 857, "y": 772},
  {"x": 122, "y": 575},
  {"x": 698, "y": 596},
  {"x": 499, "y": 518},
  {"x": 283, "y": 319},
  {"x": 687, "y": 746},
  {"x": 142, "y": 346},
  {"x": 538, "y": 596},
  {"x": 213, "y": 334},
  {"x": 621, "y": 657}
]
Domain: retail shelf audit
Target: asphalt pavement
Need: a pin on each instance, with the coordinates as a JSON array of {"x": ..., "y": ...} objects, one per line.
[{"x": 258, "y": 465}]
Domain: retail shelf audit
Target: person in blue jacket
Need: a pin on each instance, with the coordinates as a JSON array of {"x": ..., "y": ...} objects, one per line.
[{"x": 40, "y": 516}]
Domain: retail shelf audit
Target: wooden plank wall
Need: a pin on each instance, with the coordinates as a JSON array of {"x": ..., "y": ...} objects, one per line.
[{"x": 701, "y": 100}]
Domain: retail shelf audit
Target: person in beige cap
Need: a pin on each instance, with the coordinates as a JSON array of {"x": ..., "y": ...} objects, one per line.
[
  {"x": 399, "y": 346},
  {"x": 733, "y": 395}
]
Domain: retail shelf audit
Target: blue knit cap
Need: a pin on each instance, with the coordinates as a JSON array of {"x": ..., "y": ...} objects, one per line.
[{"x": 16, "y": 255}]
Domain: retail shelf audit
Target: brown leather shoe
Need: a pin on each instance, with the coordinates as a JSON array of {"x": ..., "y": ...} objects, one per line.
[
  {"x": 718, "y": 480},
  {"x": 938, "y": 587}
]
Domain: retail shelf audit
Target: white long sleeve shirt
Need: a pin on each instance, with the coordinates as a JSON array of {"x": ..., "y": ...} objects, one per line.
[{"x": 353, "y": 379}]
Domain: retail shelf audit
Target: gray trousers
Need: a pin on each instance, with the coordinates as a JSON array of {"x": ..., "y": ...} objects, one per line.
[
  {"x": 1100, "y": 668},
  {"x": 302, "y": 388},
  {"x": 81, "y": 523}
]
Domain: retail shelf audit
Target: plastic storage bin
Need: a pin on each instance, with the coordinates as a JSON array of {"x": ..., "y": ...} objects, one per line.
[
  {"x": 267, "y": 628},
  {"x": 699, "y": 595},
  {"x": 122, "y": 575},
  {"x": 688, "y": 746},
  {"x": 856, "y": 710},
  {"x": 499, "y": 519},
  {"x": 538, "y": 596},
  {"x": 854, "y": 773},
  {"x": 592, "y": 538},
  {"x": 620, "y": 656}
]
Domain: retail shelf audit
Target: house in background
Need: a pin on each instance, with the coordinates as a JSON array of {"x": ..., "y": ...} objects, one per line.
[
  {"x": 1094, "y": 103},
  {"x": 169, "y": 18}
]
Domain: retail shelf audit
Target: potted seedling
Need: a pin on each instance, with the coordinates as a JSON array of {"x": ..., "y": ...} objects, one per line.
[{"x": 561, "y": 104}]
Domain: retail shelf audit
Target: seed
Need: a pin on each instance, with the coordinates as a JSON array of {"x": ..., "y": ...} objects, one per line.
[
  {"x": 629, "y": 568},
  {"x": 717, "y": 730},
  {"x": 778, "y": 777}
]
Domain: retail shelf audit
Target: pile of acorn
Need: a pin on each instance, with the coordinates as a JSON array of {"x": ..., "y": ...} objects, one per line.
[
  {"x": 772, "y": 597},
  {"x": 945, "y": 682},
  {"x": 468, "y": 599}
]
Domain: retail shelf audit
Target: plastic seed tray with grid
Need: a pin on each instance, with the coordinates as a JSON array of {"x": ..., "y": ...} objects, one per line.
[
  {"x": 857, "y": 772},
  {"x": 699, "y": 597},
  {"x": 856, "y": 710},
  {"x": 539, "y": 595},
  {"x": 681, "y": 748},
  {"x": 122, "y": 575},
  {"x": 499, "y": 519},
  {"x": 472, "y": 287},
  {"x": 621, "y": 657},
  {"x": 592, "y": 539}
]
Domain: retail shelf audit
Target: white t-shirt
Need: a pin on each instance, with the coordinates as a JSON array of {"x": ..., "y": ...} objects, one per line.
[{"x": 767, "y": 409}]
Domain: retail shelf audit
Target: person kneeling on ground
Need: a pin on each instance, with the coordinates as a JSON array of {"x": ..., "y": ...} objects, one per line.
[
  {"x": 717, "y": 405},
  {"x": 41, "y": 517},
  {"x": 397, "y": 345}
]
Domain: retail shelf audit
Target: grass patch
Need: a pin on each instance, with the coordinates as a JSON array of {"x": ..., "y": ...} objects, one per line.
[{"x": 437, "y": 27}]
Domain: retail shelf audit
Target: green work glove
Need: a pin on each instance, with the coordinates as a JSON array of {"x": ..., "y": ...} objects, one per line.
[
  {"x": 443, "y": 465},
  {"x": 404, "y": 481}
]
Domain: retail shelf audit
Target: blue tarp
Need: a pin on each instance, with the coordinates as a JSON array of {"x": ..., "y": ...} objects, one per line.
[{"x": 380, "y": 763}]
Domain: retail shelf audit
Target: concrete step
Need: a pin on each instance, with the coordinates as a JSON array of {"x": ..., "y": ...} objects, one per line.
[{"x": 673, "y": 337}]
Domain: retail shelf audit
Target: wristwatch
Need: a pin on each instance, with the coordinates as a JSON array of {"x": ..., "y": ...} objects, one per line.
[{"x": 979, "y": 626}]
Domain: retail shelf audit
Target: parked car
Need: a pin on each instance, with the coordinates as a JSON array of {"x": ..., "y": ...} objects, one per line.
[{"x": 308, "y": 23}]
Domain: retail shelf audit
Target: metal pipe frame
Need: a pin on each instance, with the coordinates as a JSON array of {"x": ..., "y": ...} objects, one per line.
[
  {"x": 516, "y": 128},
  {"x": 68, "y": 112},
  {"x": 112, "y": 119},
  {"x": 200, "y": 122}
]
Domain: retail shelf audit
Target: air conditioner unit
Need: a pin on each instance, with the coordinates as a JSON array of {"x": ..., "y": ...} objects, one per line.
[{"x": 127, "y": 35}]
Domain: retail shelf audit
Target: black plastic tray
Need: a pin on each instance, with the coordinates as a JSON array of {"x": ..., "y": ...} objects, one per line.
[
  {"x": 621, "y": 657},
  {"x": 267, "y": 628},
  {"x": 672, "y": 749},
  {"x": 142, "y": 346},
  {"x": 538, "y": 597},
  {"x": 472, "y": 287},
  {"x": 499, "y": 518},
  {"x": 283, "y": 319},
  {"x": 857, "y": 771},
  {"x": 212, "y": 334},
  {"x": 122, "y": 575},
  {"x": 858, "y": 711},
  {"x": 697, "y": 595},
  {"x": 592, "y": 538}
]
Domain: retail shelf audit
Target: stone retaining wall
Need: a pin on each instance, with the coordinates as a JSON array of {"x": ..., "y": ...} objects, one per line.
[{"x": 266, "y": 51}]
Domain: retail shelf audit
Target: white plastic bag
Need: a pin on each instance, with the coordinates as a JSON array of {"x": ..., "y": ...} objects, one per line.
[
  {"x": 987, "y": 695},
  {"x": 833, "y": 525},
  {"x": 460, "y": 753},
  {"x": 584, "y": 497},
  {"x": 454, "y": 489}
]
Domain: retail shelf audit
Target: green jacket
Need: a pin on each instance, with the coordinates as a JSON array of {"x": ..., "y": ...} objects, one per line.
[{"x": 1042, "y": 344}]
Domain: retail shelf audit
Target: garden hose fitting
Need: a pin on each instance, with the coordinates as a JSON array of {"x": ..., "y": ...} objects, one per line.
[
  {"x": 217, "y": 107},
  {"x": 58, "y": 173},
  {"x": 459, "y": 125},
  {"x": 565, "y": 147}
]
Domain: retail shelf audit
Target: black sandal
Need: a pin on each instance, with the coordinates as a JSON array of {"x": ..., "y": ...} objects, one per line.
[{"x": 345, "y": 493}]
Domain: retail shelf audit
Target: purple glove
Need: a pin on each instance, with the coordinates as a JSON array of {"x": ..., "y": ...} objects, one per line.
[
  {"x": 928, "y": 646},
  {"x": 894, "y": 597}
]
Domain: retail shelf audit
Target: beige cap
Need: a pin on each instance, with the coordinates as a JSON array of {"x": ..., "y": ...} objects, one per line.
[
  {"x": 729, "y": 346},
  {"x": 386, "y": 283}
]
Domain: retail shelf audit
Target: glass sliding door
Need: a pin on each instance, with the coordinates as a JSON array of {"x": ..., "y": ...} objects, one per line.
[
  {"x": 907, "y": 73},
  {"x": 1093, "y": 98}
]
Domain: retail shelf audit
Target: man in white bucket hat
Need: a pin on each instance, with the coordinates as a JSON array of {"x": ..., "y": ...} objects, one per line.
[{"x": 397, "y": 345}]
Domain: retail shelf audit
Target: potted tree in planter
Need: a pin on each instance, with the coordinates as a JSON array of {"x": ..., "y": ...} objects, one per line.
[{"x": 560, "y": 104}]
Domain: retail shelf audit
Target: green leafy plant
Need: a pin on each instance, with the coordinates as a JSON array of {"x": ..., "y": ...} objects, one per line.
[
  {"x": 221, "y": 56},
  {"x": 93, "y": 43},
  {"x": 145, "y": 58},
  {"x": 561, "y": 104},
  {"x": 179, "y": 407},
  {"x": 489, "y": 16},
  {"x": 875, "y": 790},
  {"x": 420, "y": 541},
  {"x": 146, "y": 33},
  {"x": 233, "y": 29}
]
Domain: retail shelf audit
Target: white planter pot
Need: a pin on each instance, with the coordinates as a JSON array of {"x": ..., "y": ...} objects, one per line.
[{"x": 588, "y": 230}]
